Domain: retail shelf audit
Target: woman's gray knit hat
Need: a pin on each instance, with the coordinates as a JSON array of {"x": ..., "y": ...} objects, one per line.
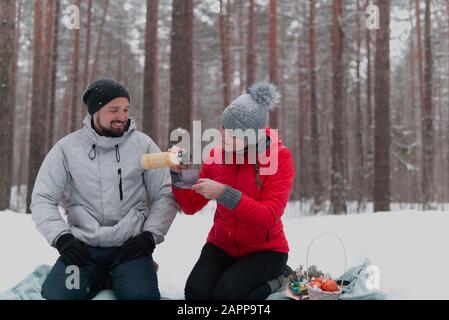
[{"x": 250, "y": 110}]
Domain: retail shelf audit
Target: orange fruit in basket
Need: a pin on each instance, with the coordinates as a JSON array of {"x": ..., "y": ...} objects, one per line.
[
  {"x": 330, "y": 286},
  {"x": 320, "y": 280},
  {"x": 315, "y": 284}
]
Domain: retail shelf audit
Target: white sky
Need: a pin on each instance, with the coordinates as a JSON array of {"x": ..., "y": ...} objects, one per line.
[{"x": 400, "y": 30}]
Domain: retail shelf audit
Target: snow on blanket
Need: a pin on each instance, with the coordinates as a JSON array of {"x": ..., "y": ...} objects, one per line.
[{"x": 409, "y": 247}]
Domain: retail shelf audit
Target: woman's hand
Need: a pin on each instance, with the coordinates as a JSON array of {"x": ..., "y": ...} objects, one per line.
[
  {"x": 177, "y": 168},
  {"x": 208, "y": 188}
]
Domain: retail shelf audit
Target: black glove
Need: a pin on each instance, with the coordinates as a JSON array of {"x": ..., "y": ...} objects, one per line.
[
  {"x": 136, "y": 247},
  {"x": 72, "y": 250}
]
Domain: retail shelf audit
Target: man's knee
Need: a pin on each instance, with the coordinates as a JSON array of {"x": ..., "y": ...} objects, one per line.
[
  {"x": 136, "y": 279},
  {"x": 62, "y": 284},
  {"x": 144, "y": 292},
  {"x": 54, "y": 289}
]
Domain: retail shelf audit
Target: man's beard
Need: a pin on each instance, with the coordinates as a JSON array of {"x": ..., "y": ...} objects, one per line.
[{"x": 113, "y": 131}]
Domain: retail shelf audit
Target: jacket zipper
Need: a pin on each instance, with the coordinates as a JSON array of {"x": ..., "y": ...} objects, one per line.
[
  {"x": 120, "y": 183},
  {"x": 119, "y": 171},
  {"x": 268, "y": 235},
  {"x": 235, "y": 217}
]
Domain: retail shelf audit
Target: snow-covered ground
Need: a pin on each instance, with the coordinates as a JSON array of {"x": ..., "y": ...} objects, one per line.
[
  {"x": 409, "y": 247},
  {"x": 295, "y": 209}
]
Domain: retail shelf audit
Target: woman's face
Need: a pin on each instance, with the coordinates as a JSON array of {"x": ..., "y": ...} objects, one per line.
[{"x": 231, "y": 143}]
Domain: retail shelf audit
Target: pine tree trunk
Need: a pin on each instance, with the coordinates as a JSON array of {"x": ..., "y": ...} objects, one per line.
[
  {"x": 47, "y": 65},
  {"x": 87, "y": 45},
  {"x": 241, "y": 46},
  {"x": 94, "y": 73},
  {"x": 15, "y": 166},
  {"x": 448, "y": 82},
  {"x": 122, "y": 30},
  {"x": 273, "y": 57},
  {"x": 181, "y": 66},
  {"x": 370, "y": 118},
  {"x": 441, "y": 178},
  {"x": 66, "y": 110},
  {"x": 300, "y": 163},
  {"x": 413, "y": 177},
  {"x": 225, "y": 53},
  {"x": 420, "y": 54},
  {"x": 315, "y": 156},
  {"x": 75, "y": 104},
  {"x": 382, "y": 111},
  {"x": 37, "y": 145},
  {"x": 304, "y": 124},
  {"x": 229, "y": 10},
  {"x": 359, "y": 119},
  {"x": 338, "y": 183},
  {"x": 251, "y": 58},
  {"x": 427, "y": 118},
  {"x": 53, "y": 72},
  {"x": 23, "y": 165},
  {"x": 421, "y": 84},
  {"x": 283, "y": 85},
  {"x": 7, "y": 34},
  {"x": 109, "y": 50},
  {"x": 150, "y": 78}
]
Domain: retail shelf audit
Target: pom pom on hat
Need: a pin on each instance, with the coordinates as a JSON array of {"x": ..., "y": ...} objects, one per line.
[{"x": 265, "y": 94}]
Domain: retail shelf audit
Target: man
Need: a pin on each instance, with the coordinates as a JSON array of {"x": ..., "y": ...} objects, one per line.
[{"x": 110, "y": 233}]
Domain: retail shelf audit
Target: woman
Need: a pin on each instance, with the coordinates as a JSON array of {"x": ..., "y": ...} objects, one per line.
[{"x": 246, "y": 247}]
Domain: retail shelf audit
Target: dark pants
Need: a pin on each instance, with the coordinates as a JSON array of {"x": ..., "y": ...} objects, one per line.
[
  {"x": 135, "y": 279},
  {"x": 216, "y": 276}
]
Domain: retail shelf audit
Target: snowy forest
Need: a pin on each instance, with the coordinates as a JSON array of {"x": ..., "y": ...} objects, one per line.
[{"x": 364, "y": 83}]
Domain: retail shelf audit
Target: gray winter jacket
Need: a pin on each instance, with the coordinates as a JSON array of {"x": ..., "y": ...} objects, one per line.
[{"x": 107, "y": 189}]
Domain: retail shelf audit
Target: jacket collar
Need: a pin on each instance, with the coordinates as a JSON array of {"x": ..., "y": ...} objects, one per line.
[
  {"x": 263, "y": 146},
  {"x": 102, "y": 141}
]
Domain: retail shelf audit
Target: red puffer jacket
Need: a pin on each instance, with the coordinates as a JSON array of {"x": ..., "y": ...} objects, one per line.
[{"x": 255, "y": 223}]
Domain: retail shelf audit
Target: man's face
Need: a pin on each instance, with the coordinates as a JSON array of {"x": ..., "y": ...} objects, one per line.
[{"x": 111, "y": 120}]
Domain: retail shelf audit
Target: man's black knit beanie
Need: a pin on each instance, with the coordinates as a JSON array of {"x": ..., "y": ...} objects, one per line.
[{"x": 101, "y": 92}]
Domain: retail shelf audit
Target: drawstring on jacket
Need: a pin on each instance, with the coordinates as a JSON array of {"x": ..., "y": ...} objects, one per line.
[
  {"x": 93, "y": 152},
  {"x": 92, "y": 157}
]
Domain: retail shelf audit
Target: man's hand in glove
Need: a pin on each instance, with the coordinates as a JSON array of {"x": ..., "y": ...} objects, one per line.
[
  {"x": 72, "y": 250},
  {"x": 136, "y": 247}
]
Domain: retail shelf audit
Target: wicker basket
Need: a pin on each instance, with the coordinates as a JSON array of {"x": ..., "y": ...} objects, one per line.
[{"x": 316, "y": 293}]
